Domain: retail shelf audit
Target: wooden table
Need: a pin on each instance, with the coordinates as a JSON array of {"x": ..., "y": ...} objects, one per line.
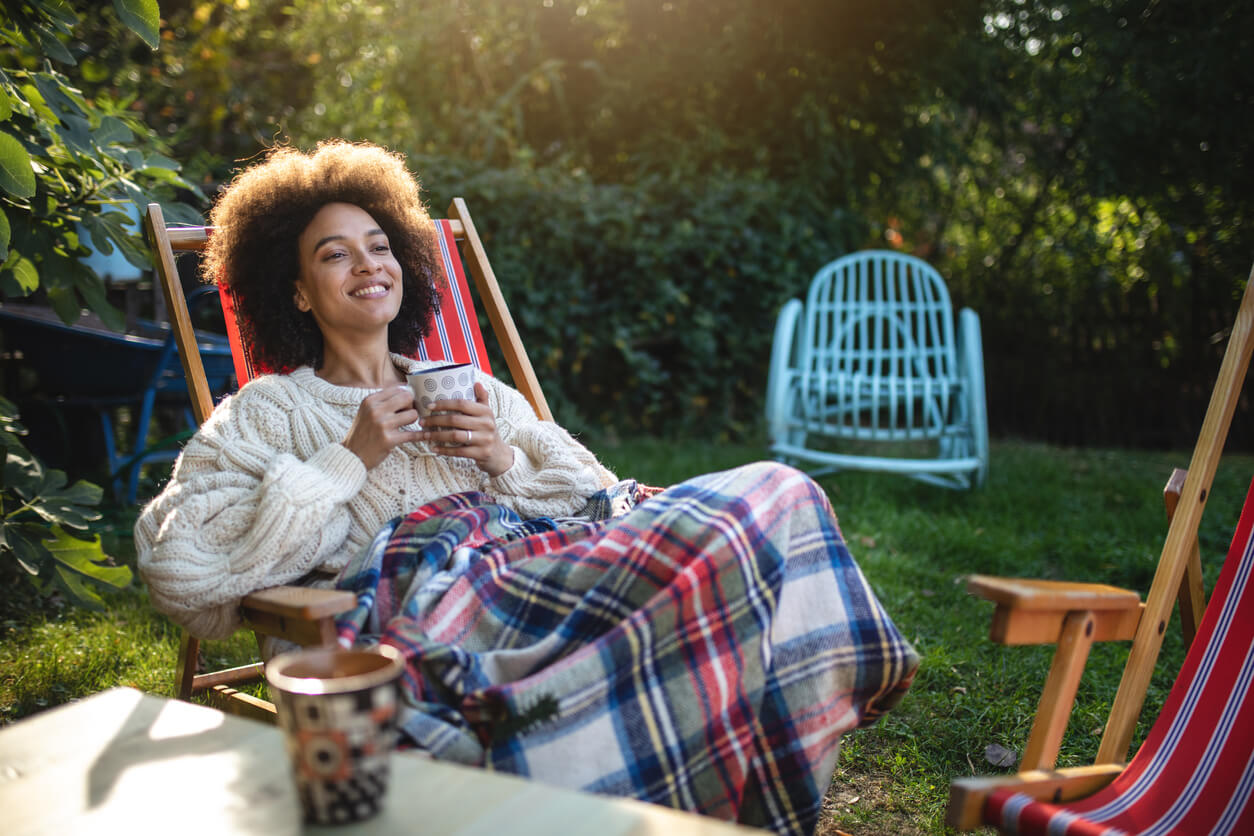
[{"x": 127, "y": 762}]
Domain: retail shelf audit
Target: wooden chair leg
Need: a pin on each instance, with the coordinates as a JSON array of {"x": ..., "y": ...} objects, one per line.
[
  {"x": 227, "y": 699},
  {"x": 1058, "y": 696},
  {"x": 1192, "y": 594},
  {"x": 185, "y": 674}
]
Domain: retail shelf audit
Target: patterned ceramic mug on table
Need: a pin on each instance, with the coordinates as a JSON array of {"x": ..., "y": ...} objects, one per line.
[
  {"x": 452, "y": 382},
  {"x": 337, "y": 710}
]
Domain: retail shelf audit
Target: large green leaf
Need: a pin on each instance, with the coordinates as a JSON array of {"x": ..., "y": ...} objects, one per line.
[
  {"x": 78, "y": 561},
  {"x": 69, "y": 507},
  {"x": 93, "y": 290},
  {"x": 65, "y": 302},
  {"x": 23, "y": 270},
  {"x": 85, "y": 558},
  {"x": 5, "y": 233},
  {"x": 75, "y": 132},
  {"x": 9, "y": 418},
  {"x": 59, "y": 96},
  {"x": 26, "y": 544},
  {"x": 35, "y": 101},
  {"x": 181, "y": 213},
  {"x": 49, "y": 480},
  {"x": 143, "y": 17},
  {"x": 165, "y": 175},
  {"x": 59, "y": 12},
  {"x": 155, "y": 160},
  {"x": 79, "y": 592},
  {"x": 124, "y": 239},
  {"x": 22, "y": 471},
  {"x": 16, "y": 176},
  {"x": 99, "y": 235},
  {"x": 52, "y": 46},
  {"x": 112, "y": 130},
  {"x": 6, "y": 104}
]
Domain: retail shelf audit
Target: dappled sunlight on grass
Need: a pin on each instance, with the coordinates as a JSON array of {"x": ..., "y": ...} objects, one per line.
[{"x": 49, "y": 660}]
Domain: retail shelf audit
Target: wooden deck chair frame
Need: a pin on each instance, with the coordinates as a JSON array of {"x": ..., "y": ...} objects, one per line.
[
  {"x": 1075, "y": 615},
  {"x": 305, "y": 616}
]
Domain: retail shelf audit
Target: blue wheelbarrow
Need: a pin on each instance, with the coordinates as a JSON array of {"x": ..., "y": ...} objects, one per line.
[{"x": 86, "y": 364}]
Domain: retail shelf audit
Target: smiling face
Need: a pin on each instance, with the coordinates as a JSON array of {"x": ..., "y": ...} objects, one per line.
[{"x": 349, "y": 279}]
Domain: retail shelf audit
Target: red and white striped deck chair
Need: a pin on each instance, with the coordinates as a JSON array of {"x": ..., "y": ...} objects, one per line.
[
  {"x": 296, "y": 613},
  {"x": 1194, "y": 773}
]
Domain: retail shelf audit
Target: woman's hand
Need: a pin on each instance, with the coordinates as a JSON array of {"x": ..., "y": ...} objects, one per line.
[
  {"x": 377, "y": 426},
  {"x": 468, "y": 429}
]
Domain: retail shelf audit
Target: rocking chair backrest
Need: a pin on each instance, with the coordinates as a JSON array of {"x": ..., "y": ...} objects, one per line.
[{"x": 879, "y": 333}]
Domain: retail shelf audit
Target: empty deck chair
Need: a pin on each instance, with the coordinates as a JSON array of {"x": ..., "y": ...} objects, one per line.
[{"x": 1194, "y": 774}]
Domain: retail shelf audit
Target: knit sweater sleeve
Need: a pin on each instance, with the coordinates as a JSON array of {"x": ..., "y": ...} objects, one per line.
[
  {"x": 553, "y": 474},
  {"x": 242, "y": 512}
]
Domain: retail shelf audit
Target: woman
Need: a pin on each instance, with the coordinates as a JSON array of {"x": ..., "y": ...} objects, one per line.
[
  {"x": 331, "y": 262},
  {"x": 703, "y": 649}
]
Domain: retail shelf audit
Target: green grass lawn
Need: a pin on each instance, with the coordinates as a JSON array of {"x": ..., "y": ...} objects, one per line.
[{"x": 1088, "y": 515}]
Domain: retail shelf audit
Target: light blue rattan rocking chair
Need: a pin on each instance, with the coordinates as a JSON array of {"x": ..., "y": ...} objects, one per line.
[{"x": 870, "y": 374}]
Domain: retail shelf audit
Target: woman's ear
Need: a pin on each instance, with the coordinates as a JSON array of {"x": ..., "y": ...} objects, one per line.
[{"x": 302, "y": 304}]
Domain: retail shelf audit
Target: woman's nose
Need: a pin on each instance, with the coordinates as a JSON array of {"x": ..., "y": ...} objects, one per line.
[{"x": 365, "y": 263}]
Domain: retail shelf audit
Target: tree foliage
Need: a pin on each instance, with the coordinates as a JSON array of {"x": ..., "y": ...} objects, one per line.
[
  {"x": 45, "y": 521},
  {"x": 70, "y": 164},
  {"x": 1103, "y": 213}
]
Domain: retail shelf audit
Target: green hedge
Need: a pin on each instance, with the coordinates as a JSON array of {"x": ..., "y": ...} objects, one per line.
[{"x": 649, "y": 306}]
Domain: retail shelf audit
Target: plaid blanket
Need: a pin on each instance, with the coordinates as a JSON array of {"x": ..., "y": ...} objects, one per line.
[{"x": 705, "y": 650}]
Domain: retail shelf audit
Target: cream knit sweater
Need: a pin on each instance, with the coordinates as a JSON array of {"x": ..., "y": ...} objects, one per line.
[{"x": 265, "y": 492}]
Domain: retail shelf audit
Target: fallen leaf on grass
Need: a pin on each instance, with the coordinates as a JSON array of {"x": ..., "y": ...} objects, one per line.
[{"x": 999, "y": 755}]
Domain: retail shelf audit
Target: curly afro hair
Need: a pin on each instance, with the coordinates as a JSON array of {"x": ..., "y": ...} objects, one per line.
[{"x": 261, "y": 214}]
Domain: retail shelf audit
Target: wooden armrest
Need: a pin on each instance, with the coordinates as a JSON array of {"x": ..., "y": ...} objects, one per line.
[
  {"x": 300, "y": 602},
  {"x": 1031, "y": 594},
  {"x": 1033, "y": 611},
  {"x": 297, "y": 613},
  {"x": 1070, "y": 615}
]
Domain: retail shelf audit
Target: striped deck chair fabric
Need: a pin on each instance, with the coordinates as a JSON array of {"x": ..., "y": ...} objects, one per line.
[
  {"x": 1194, "y": 774},
  {"x": 455, "y": 337}
]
